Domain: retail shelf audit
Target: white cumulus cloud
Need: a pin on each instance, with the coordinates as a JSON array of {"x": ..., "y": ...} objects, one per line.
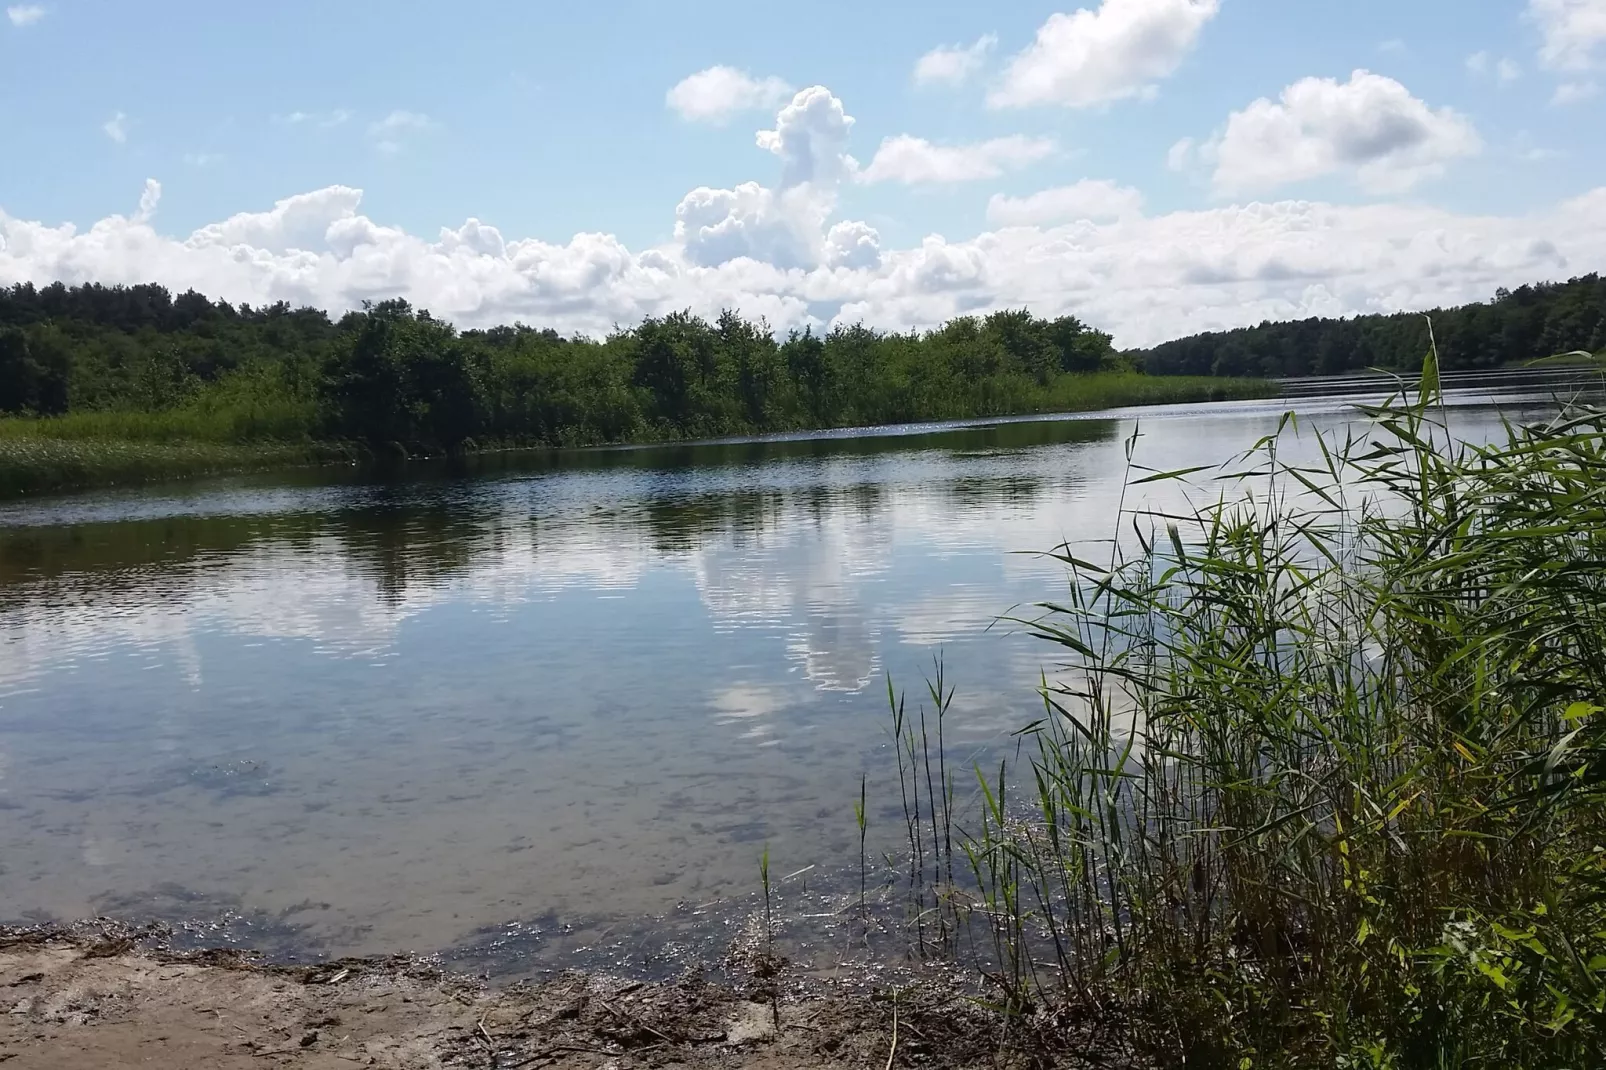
[
  {"x": 1093, "y": 199},
  {"x": 116, "y": 127},
  {"x": 718, "y": 93},
  {"x": 1574, "y": 32},
  {"x": 25, "y": 14},
  {"x": 295, "y": 224},
  {"x": 811, "y": 138},
  {"x": 782, "y": 226},
  {"x": 1146, "y": 279},
  {"x": 1092, "y": 57},
  {"x": 915, "y": 161},
  {"x": 474, "y": 236},
  {"x": 780, "y": 252},
  {"x": 1370, "y": 127},
  {"x": 853, "y": 244},
  {"x": 954, "y": 64}
]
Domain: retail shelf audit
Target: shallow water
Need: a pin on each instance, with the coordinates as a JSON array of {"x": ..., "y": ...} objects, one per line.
[{"x": 538, "y": 693}]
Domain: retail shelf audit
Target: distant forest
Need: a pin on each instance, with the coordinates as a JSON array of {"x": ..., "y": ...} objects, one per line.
[
  {"x": 1518, "y": 325},
  {"x": 394, "y": 375},
  {"x": 391, "y": 374}
]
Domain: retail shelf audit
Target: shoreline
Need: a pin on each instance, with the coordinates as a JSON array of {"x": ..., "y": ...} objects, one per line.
[
  {"x": 99, "y": 994},
  {"x": 35, "y": 465}
]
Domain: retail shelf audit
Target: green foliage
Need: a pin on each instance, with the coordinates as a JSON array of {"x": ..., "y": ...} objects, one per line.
[
  {"x": 138, "y": 365},
  {"x": 33, "y": 373},
  {"x": 1516, "y": 327},
  {"x": 1323, "y": 781},
  {"x": 406, "y": 378}
]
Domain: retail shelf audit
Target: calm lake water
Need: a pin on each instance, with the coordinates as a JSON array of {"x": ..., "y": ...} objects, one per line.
[{"x": 563, "y": 693}]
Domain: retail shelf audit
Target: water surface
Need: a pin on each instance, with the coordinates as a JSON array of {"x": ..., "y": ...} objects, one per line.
[{"x": 574, "y": 691}]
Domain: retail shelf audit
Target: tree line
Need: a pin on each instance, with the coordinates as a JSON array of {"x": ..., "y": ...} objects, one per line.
[
  {"x": 392, "y": 374},
  {"x": 1517, "y": 326}
]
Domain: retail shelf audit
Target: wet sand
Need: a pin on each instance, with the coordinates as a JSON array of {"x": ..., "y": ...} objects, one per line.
[{"x": 92, "y": 997}]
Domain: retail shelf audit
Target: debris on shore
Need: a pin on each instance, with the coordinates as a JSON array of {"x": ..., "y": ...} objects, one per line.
[{"x": 97, "y": 995}]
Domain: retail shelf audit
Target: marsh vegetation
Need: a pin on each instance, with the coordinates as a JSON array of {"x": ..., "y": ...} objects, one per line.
[{"x": 1323, "y": 780}]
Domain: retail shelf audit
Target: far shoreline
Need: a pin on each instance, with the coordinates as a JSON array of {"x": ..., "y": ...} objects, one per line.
[{"x": 42, "y": 456}]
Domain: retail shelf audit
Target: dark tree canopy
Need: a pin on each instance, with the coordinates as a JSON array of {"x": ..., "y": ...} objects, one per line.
[
  {"x": 391, "y": 373},
  {"x": 1518, "y": 325}
]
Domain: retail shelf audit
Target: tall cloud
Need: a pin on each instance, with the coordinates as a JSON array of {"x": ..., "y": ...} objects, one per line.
[
  {"x": 811, "y": 138},
  {"x": 783, "y": 226}
]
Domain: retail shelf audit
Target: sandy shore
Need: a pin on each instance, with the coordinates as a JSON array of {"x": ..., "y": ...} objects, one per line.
[{"x": 93, "y": 998}]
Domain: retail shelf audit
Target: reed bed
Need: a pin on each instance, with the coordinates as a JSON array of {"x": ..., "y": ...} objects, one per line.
[
  {"x": 1110, "y": 390},
  {"x": 30, "y": 465},
  {"x": 1322, "y": 781},
  {"x": 242, "y": 424}
]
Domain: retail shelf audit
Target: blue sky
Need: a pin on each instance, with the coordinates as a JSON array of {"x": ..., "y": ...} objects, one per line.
[{"x": 1478, "y": 121}]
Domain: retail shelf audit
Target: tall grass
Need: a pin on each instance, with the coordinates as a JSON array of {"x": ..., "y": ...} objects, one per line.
[
  {"x": 246, "y": 420},
  {"x": 235, "y": 411},
  {"x": 44, "y": 465},
  {"x": 1322, "y": 783},
  {"x": 229, "y": 413},
  {"x": 1109, "y": 390},
  {"x": 252, "y": 419},
  {"x": 928, "y": 818},
  {"x": 274, "y": 422}
]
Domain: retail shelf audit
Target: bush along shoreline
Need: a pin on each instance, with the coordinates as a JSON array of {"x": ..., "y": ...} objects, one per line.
[
  {"x": 118, "y": 385},
  {"x": 1323, "y": 780}
]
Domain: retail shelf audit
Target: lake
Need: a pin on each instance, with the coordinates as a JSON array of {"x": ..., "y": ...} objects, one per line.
[{"x": 565, "y": 695}]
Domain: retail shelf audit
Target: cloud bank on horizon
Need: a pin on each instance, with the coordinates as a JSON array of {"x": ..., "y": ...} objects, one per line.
[{"x": 783, "y": 249}]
